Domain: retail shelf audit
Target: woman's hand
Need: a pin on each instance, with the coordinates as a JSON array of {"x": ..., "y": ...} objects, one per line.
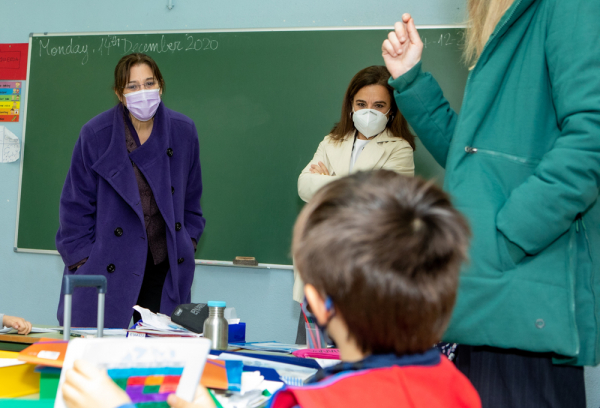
[
  {"x": 403, "y": 48},
  {"x": 201, "y": 400},
  {"x": 88, "y": 387},
  {"x": 21, "y": 325},
  {"x": 319, "y": 169}
]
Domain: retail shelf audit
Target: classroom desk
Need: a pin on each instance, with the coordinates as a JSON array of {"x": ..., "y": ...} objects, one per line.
[{"x": 18, "y": 342}]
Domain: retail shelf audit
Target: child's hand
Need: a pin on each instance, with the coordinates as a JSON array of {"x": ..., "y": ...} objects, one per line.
[
  {"x": 88, "y": 387},
  {"x": 201, "y": 400},
  {"x": 21, "y": 325}
]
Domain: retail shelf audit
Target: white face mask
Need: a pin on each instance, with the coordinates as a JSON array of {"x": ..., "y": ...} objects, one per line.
[{"x": 370, "y": 122}]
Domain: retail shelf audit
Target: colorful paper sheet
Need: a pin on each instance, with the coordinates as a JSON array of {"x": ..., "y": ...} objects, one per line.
[
  {"x": 10, "y": 101},
  {"x": 13, "y": 61},
  {"x": 10, "y": 147}
]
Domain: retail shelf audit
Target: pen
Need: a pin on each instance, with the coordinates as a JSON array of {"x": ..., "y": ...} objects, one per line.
[
  {"x": 212, "y": 395},
  {"x": 309, "y": 327},
  {"x": 72, "y": 334}
]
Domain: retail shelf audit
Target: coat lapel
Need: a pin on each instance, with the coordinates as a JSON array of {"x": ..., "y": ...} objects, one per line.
[
  {"x": 372, "y": 153},
  {"x": 510, "y": 16},
  {"x": 115, "y": 167},
  {"x": 152, "y": 160},
  {"x": 339, "y": 156}
]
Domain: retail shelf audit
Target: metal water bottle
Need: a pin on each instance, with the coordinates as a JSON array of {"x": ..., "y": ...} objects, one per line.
[{"x": 216, "y": 327}]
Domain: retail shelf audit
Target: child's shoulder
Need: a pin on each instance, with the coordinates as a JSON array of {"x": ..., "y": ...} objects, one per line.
[{"x": 439, "y": 385}]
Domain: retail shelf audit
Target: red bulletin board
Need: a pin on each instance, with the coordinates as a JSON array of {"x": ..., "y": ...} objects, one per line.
[{"x": 13, "y": 61}]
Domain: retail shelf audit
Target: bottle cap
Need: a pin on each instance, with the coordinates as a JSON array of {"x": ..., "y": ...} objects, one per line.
[{"x": 216, "y": 303}]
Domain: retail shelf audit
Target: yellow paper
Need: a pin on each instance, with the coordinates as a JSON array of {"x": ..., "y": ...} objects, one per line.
[{"x": 17, "y": 380}]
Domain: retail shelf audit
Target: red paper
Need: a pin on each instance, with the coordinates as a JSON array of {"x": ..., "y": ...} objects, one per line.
[{"x": 13, "y": 61}]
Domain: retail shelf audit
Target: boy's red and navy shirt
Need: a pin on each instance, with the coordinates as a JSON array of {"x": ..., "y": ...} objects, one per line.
[{"x": 385, "y": 380}]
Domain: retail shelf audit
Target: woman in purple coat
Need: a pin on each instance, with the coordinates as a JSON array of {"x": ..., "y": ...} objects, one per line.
[{"x": 130, "y": 206}]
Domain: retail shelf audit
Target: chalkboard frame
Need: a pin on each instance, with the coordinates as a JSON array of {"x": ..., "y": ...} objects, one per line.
[{"x": 287, "y": 29}]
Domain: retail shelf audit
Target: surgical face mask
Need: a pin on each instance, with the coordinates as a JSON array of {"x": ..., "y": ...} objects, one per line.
[
  {"x": 370, "y": 122},
  {"x": 143, "y": 104}
]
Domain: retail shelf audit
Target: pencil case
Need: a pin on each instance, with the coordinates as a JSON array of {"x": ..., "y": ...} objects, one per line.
[{"x": 330, "y": 353}]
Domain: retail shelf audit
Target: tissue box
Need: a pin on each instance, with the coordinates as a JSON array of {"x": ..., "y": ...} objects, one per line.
[{"x": 237, "y": 333}]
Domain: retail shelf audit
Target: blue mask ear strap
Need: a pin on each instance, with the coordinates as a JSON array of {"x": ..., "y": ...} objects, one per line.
[{"x": 328, "y": 304}]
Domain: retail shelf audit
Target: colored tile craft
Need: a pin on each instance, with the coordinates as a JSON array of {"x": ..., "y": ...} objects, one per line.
[{"x": 148, "y": 387}]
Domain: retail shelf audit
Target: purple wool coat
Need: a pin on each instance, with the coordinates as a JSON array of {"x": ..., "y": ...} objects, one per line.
[{"x": 101, "y": 215}]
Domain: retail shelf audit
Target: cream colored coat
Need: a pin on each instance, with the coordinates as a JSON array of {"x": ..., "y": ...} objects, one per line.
[{"x": 384, "y": 151}]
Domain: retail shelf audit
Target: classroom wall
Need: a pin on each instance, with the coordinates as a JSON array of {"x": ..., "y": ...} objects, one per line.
[{"x": 30, "y": 283}]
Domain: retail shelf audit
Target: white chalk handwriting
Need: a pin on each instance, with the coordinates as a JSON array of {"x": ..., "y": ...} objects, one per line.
[
  {"x": 444, "y": 40},
  {"x": 122, "y": 45}
]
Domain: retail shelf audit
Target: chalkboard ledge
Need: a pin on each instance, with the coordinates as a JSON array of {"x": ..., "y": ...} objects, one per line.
[{"x": 197, "y": 261}]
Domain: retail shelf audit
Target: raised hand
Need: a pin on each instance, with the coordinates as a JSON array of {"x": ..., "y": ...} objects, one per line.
[{"x": 403, "y": 48}]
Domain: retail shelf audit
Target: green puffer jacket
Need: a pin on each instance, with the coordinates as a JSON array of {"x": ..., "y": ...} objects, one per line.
[{"x": 523, "y": 164}]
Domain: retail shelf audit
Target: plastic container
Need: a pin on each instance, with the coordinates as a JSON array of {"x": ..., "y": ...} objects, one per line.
[
  {"x": 216, "y": 327},
  {"x": 315, "y": 337}
]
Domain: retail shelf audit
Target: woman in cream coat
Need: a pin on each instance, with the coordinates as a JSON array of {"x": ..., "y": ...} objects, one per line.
[{"x": 371, "y": 135}]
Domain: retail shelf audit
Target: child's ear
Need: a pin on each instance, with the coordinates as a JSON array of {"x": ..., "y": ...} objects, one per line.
[{"x": 316, "y": 303}]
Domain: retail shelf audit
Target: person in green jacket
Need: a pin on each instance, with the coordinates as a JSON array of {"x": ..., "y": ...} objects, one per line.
[{"x": 522, "y": 162}]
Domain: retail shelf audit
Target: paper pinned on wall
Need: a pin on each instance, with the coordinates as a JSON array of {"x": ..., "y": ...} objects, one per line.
[
  {"x": 10, "y": 147},
  {"x": 13, "y": 61},
  {"x": 10, "y": 101}
]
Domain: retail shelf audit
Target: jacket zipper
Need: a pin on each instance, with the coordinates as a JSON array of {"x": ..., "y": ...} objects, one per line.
[
  {"x": 518, "y": 159},
  {"x": 587, "y": 240}
]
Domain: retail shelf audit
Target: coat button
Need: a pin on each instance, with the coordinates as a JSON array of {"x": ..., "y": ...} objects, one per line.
[
  {"x": 119, "y": 231},
  {"x": 539, "y": 323},
  {"x": 180, "y": 260},
  {"x": 170, "y": 152},
  {"x": 172, "y": 190},
  {"x": 177, "y": 226},
  {"x": 470, "y": 149},
  {"x": 110, "y": 268}
]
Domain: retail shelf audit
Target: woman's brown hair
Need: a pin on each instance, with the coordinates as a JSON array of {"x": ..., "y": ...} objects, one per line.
[
  {"x": 373, "y": 75},
  {"x": 123, "y": 69}
]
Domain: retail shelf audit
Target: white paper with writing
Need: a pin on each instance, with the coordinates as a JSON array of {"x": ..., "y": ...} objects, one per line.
[{"x": 10, "y": 147}]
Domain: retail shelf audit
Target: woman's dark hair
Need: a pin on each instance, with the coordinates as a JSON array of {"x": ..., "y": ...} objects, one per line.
[
  {"x": 374, "y": 75},
  {"x": 123, "y": 69}
]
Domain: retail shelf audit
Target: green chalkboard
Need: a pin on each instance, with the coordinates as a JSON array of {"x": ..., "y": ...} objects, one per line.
[{"x": 261, "y": 100}]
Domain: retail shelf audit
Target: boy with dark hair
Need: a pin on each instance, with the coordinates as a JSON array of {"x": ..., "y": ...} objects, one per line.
[{"x": 379, "y": 254}]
